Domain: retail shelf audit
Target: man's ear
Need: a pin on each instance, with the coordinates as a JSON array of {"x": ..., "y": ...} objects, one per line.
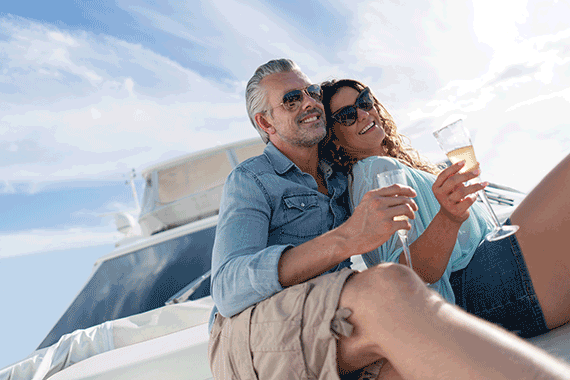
[{"x": 262, "y": 121}]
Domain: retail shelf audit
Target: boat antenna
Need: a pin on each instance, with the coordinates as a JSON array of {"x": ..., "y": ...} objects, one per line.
[{"x": 132, "y": 183}]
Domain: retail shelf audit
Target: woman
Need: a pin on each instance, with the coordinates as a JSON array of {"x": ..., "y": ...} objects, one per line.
[{"x": 521, "y": 282}]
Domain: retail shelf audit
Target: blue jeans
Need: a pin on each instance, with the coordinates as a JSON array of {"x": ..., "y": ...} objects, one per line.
[{"x": 496, "y": 286}]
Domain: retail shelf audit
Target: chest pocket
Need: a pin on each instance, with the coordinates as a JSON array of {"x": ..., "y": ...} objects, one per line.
[
  {"x": 296, "y": 205},
  {"x": 302, "y": 216}
]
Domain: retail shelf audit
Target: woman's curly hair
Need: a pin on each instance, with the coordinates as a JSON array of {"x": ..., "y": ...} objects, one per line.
[{"x": 393, "y": 143}]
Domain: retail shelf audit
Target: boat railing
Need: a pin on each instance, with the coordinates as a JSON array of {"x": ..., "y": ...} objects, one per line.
[{"x": 185, "y": 293}]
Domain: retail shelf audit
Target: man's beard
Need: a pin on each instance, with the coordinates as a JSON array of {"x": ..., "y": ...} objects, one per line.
[{"x": 307, "y": 138}]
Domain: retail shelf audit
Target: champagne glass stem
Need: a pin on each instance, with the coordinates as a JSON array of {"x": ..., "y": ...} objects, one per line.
[
  {"x": 404, "y": 240},
  {"x": 485, "y": 200},
  {"x": 499, "y": 232}
]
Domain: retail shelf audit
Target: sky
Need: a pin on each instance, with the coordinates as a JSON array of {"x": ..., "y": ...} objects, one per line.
[{"x": 91, "y": 90}]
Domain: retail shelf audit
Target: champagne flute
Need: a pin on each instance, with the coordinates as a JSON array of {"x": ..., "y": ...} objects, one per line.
[
  {"x": 389, "y": 178},
  {"x": 455, "y": 141}
]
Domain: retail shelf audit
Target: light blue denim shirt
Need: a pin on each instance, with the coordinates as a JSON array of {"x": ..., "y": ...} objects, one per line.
[{"x": 268, "y": 205}]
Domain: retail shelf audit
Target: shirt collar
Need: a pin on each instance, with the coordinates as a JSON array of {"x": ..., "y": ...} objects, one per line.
[
  {"x": 282, "y": 164},
  {"x": 279, "y": 161}
]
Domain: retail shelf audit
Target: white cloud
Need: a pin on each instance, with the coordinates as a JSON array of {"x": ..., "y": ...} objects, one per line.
[
  {"x": 65, "y": 38},
  {"x": 92, "y": 105},
  {"x": 235, "y": 37},
  {"x": 95, "y": 113},
  {"x": 35, "y": 241},
  {"x": 129, "y": 84},
  {"x": 85, "y": 105},
  {"x": 564, "y": 94},
  {"x": 6, "y": 188},
  {"x": 496, "y": 23}
]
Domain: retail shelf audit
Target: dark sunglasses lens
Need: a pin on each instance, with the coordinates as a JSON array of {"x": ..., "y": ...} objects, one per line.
[
  {"x": 346, "y": 116},
  {"x": 364, "y": 100},
  {"x": 315, "y": 92},
  {"x": 291, "y": 100}
]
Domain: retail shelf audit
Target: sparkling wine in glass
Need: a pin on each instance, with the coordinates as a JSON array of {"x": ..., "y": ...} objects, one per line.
[
  {"x": 455, "y": 141},
  {"x": 389, "y": 178}
]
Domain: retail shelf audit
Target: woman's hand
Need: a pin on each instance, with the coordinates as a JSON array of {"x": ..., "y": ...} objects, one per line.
[{"x": 453, "y": 194}]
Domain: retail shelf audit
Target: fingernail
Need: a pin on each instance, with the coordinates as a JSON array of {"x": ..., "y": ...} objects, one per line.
[
  {"x": 477, "y": 172},
  {"x": 461, "y": 163}
]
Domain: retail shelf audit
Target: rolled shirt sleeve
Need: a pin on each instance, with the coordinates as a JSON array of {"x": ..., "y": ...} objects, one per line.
[{"x": 244, "y": 268}]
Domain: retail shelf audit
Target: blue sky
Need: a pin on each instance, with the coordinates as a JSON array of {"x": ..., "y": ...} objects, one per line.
[{"x": 90, "y": 90}]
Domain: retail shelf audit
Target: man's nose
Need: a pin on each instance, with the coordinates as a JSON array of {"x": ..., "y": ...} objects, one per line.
[{"x": 309, "y": 101}]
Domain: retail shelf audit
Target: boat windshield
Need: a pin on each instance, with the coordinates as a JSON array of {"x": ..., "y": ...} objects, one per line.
[{"x": 139, "y": 281}]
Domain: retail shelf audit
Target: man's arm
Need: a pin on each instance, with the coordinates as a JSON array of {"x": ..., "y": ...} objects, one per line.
[
  {"x": 370, "y": 225},
  {"x": 246, "y": 271},
  {"x": 244, "y": 268}
]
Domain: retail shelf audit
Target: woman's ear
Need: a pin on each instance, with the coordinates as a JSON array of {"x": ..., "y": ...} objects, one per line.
[{"x": 262, "y": 121}]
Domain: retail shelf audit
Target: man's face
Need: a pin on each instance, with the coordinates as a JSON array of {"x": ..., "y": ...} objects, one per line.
[{"x": 304, "y": 126}]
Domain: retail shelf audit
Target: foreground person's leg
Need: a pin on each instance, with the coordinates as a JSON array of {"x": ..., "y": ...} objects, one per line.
[
  {"x": 544, "y": 220},
  {"x": 397, "y": 317}
]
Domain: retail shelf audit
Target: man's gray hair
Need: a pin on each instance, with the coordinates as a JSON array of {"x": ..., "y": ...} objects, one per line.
[{"x": 256, "y": 95}]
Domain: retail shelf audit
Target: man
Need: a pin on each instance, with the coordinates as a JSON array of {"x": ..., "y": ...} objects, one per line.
[{"x": 288, "y": 307}]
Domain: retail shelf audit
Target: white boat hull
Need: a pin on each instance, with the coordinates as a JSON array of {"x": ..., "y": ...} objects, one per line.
[{"x": 179, "y": 356}]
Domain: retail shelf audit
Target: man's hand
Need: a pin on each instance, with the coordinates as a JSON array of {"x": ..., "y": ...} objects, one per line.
[
  {"x": 372, "y": 222},
  {"x": 453, "y": 194}
]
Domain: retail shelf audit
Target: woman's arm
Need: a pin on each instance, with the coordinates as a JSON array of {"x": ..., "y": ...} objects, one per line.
[{"x": 432, "y": 249}]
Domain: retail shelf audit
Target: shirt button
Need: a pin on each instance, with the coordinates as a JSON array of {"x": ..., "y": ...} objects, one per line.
[{"x": 302, "y": 205}]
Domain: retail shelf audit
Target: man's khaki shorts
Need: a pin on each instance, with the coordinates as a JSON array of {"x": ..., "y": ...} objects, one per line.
[{"x": 291, "y": 335}]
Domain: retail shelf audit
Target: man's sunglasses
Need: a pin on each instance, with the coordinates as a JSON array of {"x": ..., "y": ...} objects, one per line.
[
  {"x": 349, "y": 114},
  {"x": 293, "y": 99}
]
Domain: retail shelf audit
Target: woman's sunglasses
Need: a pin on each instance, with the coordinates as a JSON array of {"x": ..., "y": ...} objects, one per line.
[
  {"x": 293, "y": 99},
  {"x": 349, "y": 114}
]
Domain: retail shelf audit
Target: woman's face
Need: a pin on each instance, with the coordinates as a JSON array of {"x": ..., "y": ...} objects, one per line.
[{"x": 363, "y": 138}]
